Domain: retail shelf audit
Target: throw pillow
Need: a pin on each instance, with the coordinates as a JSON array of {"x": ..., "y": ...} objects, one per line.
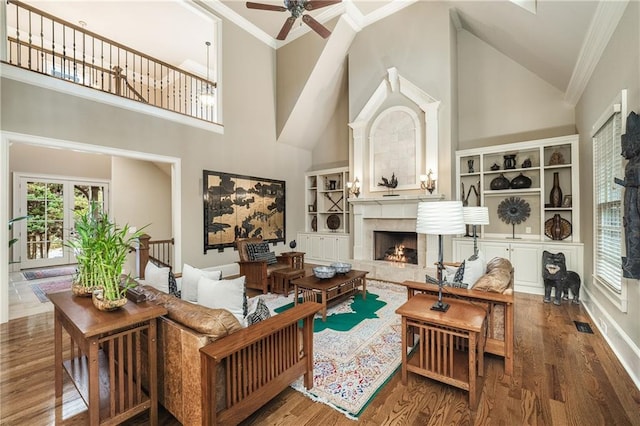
[
  {"x": 473, "y": 270},
  {"x": 223, "y": 294},
  {"x": 157, "y": 277},
  {"x": 257, "y": 248},
  {"x": 190, "y": 278},
  {"x": 258, "y": 312},
  {"x": 451, "y": 274},
  {"x": 497, "y": 280},
  {"x": 173, "y": 285},
  {"x": 269, "y": 256}
]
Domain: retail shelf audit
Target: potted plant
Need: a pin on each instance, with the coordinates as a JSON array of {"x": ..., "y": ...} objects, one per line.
[{"x": 101, "y": 249}]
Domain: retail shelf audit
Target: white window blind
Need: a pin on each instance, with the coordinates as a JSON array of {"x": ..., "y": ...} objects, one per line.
[{"x": 607, "y": 164}]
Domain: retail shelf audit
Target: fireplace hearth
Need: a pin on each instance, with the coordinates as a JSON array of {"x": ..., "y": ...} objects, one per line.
[{"x": 394, "y": 246}]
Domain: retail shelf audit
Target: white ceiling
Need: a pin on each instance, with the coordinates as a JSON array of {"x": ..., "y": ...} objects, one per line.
[{"x": 548, "y": 43}]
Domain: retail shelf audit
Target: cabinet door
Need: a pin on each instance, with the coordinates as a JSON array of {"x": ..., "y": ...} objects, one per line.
[
  {"x": 492, "y": 249},
  {"x": 342, "y": 249},
  {"x": 315, "y": 247},
  {"x": 328, "y": 245},
  {"x": 462, "y": 250},
  {"x": 303, "y": 243},
  {"x": 527, "y": 267}
]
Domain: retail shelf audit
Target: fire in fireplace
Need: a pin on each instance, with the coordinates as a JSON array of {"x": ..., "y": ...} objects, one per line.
[{"x": 393, "y": 246}]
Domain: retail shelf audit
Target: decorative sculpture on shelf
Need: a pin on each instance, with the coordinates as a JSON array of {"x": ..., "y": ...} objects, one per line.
[
  {"x": 631, "y": 220},
  {"x": 514, "y": 211},
  {"x": 390, "y": 184}
]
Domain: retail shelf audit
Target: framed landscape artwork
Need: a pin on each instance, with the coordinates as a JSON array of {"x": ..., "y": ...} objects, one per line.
[{"x": 242, "y": 206}]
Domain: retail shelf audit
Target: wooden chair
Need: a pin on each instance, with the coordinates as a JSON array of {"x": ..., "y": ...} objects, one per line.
[{"x": 257, "y": 273}]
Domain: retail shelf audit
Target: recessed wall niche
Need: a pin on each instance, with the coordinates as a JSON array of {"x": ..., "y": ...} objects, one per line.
[{"x": 376, "y": 131}]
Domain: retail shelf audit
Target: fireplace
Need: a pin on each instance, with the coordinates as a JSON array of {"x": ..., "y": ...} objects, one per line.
[{"x": 394, "y": 246}]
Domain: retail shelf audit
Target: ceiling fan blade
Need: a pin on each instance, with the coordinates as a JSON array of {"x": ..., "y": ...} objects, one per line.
[
  {"x": 262, "y": 6},
  {"x": 284, "y": 31},
  {"x": 316, "y": 26},
  {"x": 317, "y": 4}
]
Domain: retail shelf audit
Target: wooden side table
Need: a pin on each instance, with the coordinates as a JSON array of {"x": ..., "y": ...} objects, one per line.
[
  {"x": 442, "y": 339},
  {"x": 294, "y": 258},
  {"x": 282, "y": 279},
  {"x": 105, "y": 356}
]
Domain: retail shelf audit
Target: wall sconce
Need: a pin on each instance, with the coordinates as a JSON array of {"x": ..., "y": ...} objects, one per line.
[
  {"x": 354, "y": 187},
  {"x": 428, "y": 181}
]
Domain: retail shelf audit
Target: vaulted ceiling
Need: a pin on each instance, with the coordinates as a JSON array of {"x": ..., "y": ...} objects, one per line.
[{"x": 548, "y": 37}]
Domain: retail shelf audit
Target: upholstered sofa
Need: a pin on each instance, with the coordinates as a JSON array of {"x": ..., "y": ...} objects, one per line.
[
  {"x": 494, "y": 290},
  {"x": 199, "y": 375}
]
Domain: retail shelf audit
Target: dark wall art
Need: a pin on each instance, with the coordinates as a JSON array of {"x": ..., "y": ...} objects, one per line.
[{"x": 242, "y": 206}]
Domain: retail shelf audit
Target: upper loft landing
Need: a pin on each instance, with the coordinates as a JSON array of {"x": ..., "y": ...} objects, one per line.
[{"x": 57, "y": 49}]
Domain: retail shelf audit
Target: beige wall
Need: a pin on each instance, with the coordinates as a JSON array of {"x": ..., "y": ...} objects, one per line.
[
  {"x": 619, "y": 68},
  {"x": 247, "y": 147},
  {"x": 416, "y": 41},
  {"x": 58, "y": 162},
  {"x": 500, "y": 101}
]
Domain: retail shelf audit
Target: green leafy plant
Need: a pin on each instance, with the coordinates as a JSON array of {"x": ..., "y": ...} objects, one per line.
[
  {"x": 101, "y": 249},
  {"x": 11, "y": 222}
]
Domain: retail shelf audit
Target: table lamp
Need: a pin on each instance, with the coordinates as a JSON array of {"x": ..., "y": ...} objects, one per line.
[
  {"x": 440, "y": 218},
  {"x": 475, "y": 216}
]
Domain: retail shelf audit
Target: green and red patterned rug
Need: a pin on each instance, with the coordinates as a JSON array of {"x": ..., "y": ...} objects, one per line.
[{"x": 358, "y": 348}]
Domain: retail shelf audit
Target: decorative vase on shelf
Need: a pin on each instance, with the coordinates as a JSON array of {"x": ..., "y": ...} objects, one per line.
[
  {"x": 509, "y": 161},
  {"x": 555, "y": 197},
  {"x": 499, "y": 183},
  {"x": 556, "y": 229},
  {"x": 470, "y": 165}
]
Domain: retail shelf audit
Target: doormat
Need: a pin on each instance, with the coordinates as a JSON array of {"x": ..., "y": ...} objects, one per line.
[
  {"x": 42, "y": 289},
  {"x": 583, "y": 327},
  {"x": 49, "y": 272}
]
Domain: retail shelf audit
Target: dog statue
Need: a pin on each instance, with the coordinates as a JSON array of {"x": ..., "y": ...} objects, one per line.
[{"x": 555, "y": 275}]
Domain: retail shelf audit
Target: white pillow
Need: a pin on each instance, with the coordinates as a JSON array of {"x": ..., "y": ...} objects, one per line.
[
  {"x": 190, "y": 278},
  {"x": 473, "y": 270},
  {"x": 157, "y": 277},
  {"x": 223, "y": 294}
]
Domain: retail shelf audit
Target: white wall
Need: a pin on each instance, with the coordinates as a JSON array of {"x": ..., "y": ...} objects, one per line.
[
  {"x": 619, "y": 68},
  {"x": 500, "y": 101}
]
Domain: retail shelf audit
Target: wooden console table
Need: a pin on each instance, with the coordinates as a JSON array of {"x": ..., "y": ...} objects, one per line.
[
  {"x": 282, "y": 279},
  {"x": 442, "y": 340},
  {"x": 105, "y": 356}
]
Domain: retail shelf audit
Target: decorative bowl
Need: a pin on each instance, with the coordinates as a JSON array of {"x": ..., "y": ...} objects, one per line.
[
  {"x": 341, "y": 267},
  {"x": 324, "y": 272}
]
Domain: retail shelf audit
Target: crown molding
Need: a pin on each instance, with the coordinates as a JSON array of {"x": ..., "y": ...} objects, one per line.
[{"x": 604, "y": 23}]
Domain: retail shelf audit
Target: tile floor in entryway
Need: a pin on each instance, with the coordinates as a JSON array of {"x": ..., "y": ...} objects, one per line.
[{"x": 22, "y": 300}]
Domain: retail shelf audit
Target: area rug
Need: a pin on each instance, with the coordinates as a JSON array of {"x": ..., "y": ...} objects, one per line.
[
  {"x": 49, "y": 272},
  {"x": 357, "y": 350},
  {"x": 42, "y": 289}
]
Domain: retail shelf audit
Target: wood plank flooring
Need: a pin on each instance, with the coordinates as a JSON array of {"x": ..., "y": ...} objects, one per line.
[{"x": 561, "y": 377}]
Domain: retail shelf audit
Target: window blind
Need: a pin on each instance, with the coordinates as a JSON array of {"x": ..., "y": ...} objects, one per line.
[{"x": 607, "y": 164}]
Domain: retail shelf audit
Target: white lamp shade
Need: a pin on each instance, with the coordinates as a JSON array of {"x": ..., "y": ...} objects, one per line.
[
  {"x": 440, "y": 218},
  {"x": 476, "y": 215}
]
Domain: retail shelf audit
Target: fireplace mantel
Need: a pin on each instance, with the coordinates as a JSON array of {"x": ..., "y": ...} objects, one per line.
[{"x": 399, "y": 199}]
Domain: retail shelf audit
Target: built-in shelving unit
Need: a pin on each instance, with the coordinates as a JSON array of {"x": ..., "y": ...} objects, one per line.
[
  {"x": 326, "y": 237},
  {"x": 538, "y": 160}
]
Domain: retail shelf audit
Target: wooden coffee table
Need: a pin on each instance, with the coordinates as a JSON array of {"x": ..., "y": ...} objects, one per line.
[{"x": 340, "y": 286}]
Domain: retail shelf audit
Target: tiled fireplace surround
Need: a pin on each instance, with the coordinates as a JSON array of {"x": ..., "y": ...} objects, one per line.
[{"x": 391, "y": 214}]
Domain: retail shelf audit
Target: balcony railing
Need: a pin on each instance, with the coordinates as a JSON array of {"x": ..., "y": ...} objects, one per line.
[{"x": 40, "y": 42}]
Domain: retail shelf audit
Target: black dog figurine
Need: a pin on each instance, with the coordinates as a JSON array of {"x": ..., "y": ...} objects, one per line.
[{"x": 555, "y": 275}]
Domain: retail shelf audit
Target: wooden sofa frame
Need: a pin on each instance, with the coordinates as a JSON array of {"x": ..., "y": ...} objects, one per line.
[
  {"x": 254, "y": 364},
  {"x": 259, "y": 362}
]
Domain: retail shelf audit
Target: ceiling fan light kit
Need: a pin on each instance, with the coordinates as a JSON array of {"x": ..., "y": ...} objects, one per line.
[{"x": 297, "y": 9}]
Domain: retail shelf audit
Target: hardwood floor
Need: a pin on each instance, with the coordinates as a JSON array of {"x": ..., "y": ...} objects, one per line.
[{"x": 561, "y": 377}]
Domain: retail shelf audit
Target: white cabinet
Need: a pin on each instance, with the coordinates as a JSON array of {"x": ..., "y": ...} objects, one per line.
[
  {"x": 324, "y": 248},
  {"x": 526, "y": 258}
]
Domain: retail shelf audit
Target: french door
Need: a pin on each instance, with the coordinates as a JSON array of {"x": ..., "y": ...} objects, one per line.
[{"x": 51, "y": 205}]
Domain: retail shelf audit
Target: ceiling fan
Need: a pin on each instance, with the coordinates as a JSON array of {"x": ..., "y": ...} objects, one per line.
[{"x": 297, "y": 8}]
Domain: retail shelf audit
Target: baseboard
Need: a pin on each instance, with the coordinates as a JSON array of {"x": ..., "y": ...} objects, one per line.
[{"x": 620, "y": 343}]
